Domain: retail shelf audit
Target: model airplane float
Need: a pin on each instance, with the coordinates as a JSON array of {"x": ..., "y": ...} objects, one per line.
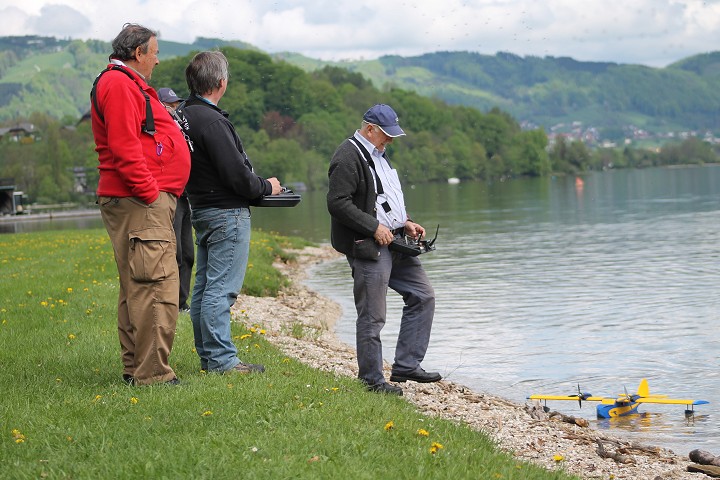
[{"x": 624, "y": 403}]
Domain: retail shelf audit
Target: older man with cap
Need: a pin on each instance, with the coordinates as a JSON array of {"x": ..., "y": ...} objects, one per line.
[{"x": 367, "y": 209}]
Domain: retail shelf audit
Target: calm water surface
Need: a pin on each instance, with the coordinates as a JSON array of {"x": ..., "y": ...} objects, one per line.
[{"x": 542, "y": 286}]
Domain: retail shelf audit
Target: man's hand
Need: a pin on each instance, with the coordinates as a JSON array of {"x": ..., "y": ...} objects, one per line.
[
  {"x": 276, "y": 187},
  {"x": 414, "y": 230},
  {"x": 383, "y": 235}
]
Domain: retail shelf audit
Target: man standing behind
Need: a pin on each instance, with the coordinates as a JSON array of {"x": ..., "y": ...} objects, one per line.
[
  {"x": 182, "y": 225},
  {"x": 222, "y": 184},
  {"x": 144, "y": 165},
  {"x": 367, "y": 208}
]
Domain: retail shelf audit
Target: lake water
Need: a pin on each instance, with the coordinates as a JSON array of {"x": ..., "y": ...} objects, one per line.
[{"x": 542, "y": 286}]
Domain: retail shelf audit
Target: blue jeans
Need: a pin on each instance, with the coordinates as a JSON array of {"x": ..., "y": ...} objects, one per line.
[{"x": 223, "y": 245}]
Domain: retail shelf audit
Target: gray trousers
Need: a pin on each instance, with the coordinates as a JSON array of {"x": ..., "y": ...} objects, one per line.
[{"x": 406, "y": 276}]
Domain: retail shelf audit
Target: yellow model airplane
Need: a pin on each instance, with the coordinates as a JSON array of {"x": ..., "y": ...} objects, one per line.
[{"x": 624, "y": 403}]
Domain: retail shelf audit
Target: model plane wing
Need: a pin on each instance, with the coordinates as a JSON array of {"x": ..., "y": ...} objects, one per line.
[{"x": 672, "y": 401}]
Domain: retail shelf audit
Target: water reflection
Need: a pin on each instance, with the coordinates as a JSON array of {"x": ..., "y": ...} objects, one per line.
[{"x": 541, "y": 287}]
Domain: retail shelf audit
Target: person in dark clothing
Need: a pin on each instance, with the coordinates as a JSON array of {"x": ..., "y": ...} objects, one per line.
[
  {"x": 183, "y": 226},
  {"x": 367, "y": 208},
  {"x": 222, "y": 184}
]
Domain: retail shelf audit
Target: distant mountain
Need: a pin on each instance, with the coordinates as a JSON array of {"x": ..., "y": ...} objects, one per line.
[
  {"x": 550, "y": 91},
  {"x": 42, "y": 74}
]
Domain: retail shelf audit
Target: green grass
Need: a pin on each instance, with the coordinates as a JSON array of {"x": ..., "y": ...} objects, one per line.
[{"x": 66, "y": 414}]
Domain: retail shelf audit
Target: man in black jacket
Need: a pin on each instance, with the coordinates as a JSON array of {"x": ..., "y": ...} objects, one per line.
[
  {"x": 367, "y": 208},
  {"x": 222, "y": 184}
]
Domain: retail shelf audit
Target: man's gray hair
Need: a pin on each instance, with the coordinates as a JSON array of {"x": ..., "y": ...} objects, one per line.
[
  {"x": 205, "y": 72},
  {"x": 130, "y": 37}
]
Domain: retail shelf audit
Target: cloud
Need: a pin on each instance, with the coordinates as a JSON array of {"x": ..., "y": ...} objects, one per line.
[
  {"x": 59, "y": 21},
  {"x": 650, "y": 32},
  {"x": 14, "y": 21}
]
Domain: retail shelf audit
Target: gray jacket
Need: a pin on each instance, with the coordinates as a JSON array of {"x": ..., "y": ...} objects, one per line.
[{"x": 350, "y": 199}]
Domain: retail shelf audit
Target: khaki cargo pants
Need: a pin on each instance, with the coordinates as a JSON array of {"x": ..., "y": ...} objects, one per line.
[{"x": 143, "y": 240}]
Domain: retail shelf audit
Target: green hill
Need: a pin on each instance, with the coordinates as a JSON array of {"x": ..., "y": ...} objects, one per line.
[
  {"x": 45, "y": 75},
  {"x": 42, "y": 74},
  {"x": 550, "y": 91}
]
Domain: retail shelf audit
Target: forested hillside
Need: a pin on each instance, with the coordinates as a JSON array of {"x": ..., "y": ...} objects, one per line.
[
  {"x": 291, "y": 121},
  {"x": 548, "y": 91}
]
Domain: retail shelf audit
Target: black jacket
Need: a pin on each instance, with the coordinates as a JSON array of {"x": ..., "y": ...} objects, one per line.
[
  {"x": 350, "y": 199},
  {"x": 221, "y": 174}
]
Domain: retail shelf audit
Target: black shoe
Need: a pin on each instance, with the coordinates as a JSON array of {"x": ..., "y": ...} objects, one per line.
[
  {"x": 185, "y": 309},
  {"x": 172, "y": 381},
  {"x": 129, "y": 379},
  {"x": 419, "y": 375},
  {"x": 385, "y": 388}
]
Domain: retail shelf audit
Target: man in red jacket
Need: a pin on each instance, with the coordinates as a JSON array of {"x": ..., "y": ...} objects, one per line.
[{"x": 144, "y": 166}]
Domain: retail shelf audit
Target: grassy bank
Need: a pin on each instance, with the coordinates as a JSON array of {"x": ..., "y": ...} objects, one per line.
[{"x": 65, "y": 413}]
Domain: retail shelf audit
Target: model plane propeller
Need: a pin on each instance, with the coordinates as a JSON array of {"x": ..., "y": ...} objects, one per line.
[{"x": 624, "y": 403}]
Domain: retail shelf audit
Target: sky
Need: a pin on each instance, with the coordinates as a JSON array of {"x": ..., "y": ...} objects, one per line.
[{"x": 655, "y": 33}]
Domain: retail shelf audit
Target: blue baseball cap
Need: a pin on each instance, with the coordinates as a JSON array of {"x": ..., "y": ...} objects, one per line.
[{"x": 384, "y": 117}]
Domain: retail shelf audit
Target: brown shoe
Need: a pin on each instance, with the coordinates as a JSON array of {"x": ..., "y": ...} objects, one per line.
[{"x": 246, "y": 368}]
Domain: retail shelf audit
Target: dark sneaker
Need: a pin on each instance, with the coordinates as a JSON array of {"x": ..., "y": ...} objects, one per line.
[
  {"x": 385, "y": 388},
  {"x": 129, "y": 379}
]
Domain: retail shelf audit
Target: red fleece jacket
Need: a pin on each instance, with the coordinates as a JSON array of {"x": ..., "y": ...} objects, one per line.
[{"x": 133, "y": 163}]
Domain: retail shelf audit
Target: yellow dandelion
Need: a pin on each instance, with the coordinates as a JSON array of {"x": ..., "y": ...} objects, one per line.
[
  {"x": 58, "y": 380},
  {"x": 286, "y": 360},
  {"x": 389, "y": 426},
  {"x": 134, "y": 400},
  {"x": 71, "y": 336},
  {"x": 97, "y": 398},
  {"x": 43, "y": 303},
  {"x": 435, "y": 447},
  {"x": 253, "y": 329},
  {"x": 69, "y": 438},
  {"x": 558, "y": 458},
  {"x": 18, "y": 436},
  {"x": 206, "y": 413},
  {"x": 247, "y": 335},
  {"x": 29, "y": 292},
  {"x": 69, "y": 289},
  {"x": 334, "y": 389},
  {"x": 423, "y": 433},
  {"x": 262, "y": 332}
]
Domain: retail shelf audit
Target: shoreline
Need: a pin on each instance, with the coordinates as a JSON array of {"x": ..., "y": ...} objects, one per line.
[{"x": 526, "y": 432}]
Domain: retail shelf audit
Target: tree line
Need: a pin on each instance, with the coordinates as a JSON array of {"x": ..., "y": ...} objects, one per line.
[{"x": 291, "y": 122}]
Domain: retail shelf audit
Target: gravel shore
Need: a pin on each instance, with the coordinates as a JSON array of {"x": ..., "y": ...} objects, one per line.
[{"x": 524, "y": 430}]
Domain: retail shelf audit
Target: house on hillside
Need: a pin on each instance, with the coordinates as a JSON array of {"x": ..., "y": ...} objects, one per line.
[{"x": 22, "y": 132}]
